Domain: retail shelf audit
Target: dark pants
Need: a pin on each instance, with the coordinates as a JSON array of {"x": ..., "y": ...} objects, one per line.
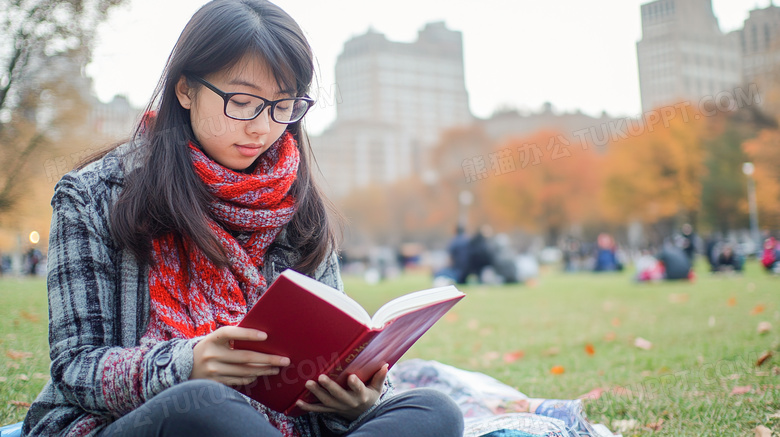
[{"x": 207, "y": 408}]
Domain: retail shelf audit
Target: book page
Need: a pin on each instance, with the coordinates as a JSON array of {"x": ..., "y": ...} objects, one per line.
[
  {"x": 329, "y": 294},
  {"x": 411, "y": 302}
]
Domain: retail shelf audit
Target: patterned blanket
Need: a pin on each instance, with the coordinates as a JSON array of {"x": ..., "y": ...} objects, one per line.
[{"x": 494, "y": 409}]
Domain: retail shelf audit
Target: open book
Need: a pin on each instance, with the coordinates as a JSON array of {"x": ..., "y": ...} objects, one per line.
[{"x": 323, "y": 331}]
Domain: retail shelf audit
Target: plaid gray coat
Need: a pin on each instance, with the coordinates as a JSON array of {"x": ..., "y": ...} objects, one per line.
[{"x": 99, "y": 310}]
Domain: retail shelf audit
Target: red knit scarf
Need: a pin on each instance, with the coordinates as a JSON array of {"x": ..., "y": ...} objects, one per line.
[{"x": 190, "y": 296}]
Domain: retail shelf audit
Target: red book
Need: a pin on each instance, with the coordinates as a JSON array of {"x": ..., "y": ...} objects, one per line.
[{"x": 323, "y": 331}]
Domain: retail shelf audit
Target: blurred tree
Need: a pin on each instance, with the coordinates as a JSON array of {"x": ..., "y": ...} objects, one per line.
[
  {"x": 542, "y": 183},
  {"x": 423, "y": 208},
  {"x": 764, "y": 152},
  {"x": 45, "y": 43},
  {"x": 724, "y": 201},
  {"x": 657, "y": 176}
]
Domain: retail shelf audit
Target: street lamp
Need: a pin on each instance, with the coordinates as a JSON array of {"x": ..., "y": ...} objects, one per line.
[{"x": 748, "y": 168}]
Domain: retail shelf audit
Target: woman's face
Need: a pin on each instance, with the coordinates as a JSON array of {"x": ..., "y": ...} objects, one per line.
[{"x": 234, "y": 144}]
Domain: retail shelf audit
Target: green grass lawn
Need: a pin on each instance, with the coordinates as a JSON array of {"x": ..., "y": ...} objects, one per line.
[{"x": 704, "y": 345}]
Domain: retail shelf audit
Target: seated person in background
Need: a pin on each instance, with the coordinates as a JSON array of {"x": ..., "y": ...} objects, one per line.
[
  {"x": 728, "y": 261},
  {"x": 606, "y": 260},
  {"x": 676, "y": 264},
  {"x": 770, "y": 259}
]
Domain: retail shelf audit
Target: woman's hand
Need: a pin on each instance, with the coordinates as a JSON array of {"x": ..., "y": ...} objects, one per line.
[
  {"x": 215, "y": 359},
  {"x": 346, "y": 403}
]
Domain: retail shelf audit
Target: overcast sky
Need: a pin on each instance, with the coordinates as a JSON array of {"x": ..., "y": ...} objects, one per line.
[{"x": 576, "y": 54}]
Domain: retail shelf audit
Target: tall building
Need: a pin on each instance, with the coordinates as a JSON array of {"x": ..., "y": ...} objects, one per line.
[
  {"x": 395, "y": 100},
  {"x": 683, "y": 55},
  {"x": 759, "y": 41}
]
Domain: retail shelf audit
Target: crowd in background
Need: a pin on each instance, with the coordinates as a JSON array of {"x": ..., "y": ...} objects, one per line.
[{"x": 485, "y": 257}]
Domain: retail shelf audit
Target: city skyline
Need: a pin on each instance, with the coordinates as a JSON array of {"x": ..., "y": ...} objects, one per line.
[{"x": 591, "y": 65}]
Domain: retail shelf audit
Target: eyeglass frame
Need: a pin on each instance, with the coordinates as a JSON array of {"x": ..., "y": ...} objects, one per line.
[{"x": 266, "y": 103}]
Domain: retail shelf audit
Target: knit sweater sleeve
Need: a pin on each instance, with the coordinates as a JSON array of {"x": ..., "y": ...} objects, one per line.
[{"x": 89, "y": 367}]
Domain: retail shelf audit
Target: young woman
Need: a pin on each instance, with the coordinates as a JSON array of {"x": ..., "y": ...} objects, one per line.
[{"x": 159, "y": 247}]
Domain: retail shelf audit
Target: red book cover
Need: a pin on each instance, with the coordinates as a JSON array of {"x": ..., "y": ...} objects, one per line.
[{"x": 323, "y": 331}]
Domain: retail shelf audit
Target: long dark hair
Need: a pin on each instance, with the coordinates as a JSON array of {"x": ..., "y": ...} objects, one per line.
[{"x": 165, "y": 194}]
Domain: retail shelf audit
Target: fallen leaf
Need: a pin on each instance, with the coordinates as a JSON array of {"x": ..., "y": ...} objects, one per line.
[
  {"x": 774, "y": 416},
  {"x": 473, "y": 324},
  {"x": 589, "y": 349},
  {"x": 641, "y": 343},
  {"x": 776, "y": 371},
  {"x": 451, "y": 317},
  {"x": 741, "y": 389},
  {"x": 711, "y": 322},
  {"x": 18, "y": 355},
  {"x": 40, "y": 376},
  {"x": 30, "y": 316},
  {"x": 551, "y": 352},
  {"x": 765, "y": 356},
  {"x": 19, "y": 404},
  {"x": 593, "y": 394},
  {"x": 732, "y": 301},
  {"x": 511, "y": 357},
  {"x": 764, "y": 327},
  {"x": 477, "y": 346},
  {"x": 610, "y": 336},
  {"x": 762, "y": 431},
  {"x": 655, "y": 426},
  {"x": 678, "y": 297},
  {"x": 751, "y": 287},
  {"x": 557, "y": 370},
  {"x": 22, "y": 377},
  {"x": 616, "y": 322},
  {"x": 758, "y": 309},
  {"x": 3, "y": 379}
]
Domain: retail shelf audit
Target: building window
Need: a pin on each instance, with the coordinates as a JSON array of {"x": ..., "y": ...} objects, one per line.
[
  {"x": 754, "y": 37},
  {"x": 767, "y": 42}
]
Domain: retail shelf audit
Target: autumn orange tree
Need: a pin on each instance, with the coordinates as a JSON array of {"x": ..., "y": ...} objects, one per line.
[
  {"x": 764, "y": 152},
  {"x": 543, "y": 183},
  {"x": 423, "y": 208},
  {"x": 656, "y": 176}
]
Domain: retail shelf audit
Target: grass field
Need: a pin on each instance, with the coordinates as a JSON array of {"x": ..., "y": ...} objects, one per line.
[{"x": 699, "y": 378}]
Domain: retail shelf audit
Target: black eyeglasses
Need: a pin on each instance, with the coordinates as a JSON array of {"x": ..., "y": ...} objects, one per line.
[{"x": 242, "y": 106}]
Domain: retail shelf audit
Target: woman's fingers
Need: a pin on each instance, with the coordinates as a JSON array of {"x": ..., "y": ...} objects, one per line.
[
  {"x": 215, "y": 359},
  {"x": 227, "y": 333},
  {"x": 378, "y": 380},
  {"x": 315, "y": 408},
  {"x": 254, "y": 358},
  {"x": 223, "y": 372},
  {"x": 335, "y": 391}
]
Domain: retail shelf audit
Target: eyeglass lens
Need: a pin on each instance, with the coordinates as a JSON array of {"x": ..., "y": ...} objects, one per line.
[{"x": 246, "y": 107}]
